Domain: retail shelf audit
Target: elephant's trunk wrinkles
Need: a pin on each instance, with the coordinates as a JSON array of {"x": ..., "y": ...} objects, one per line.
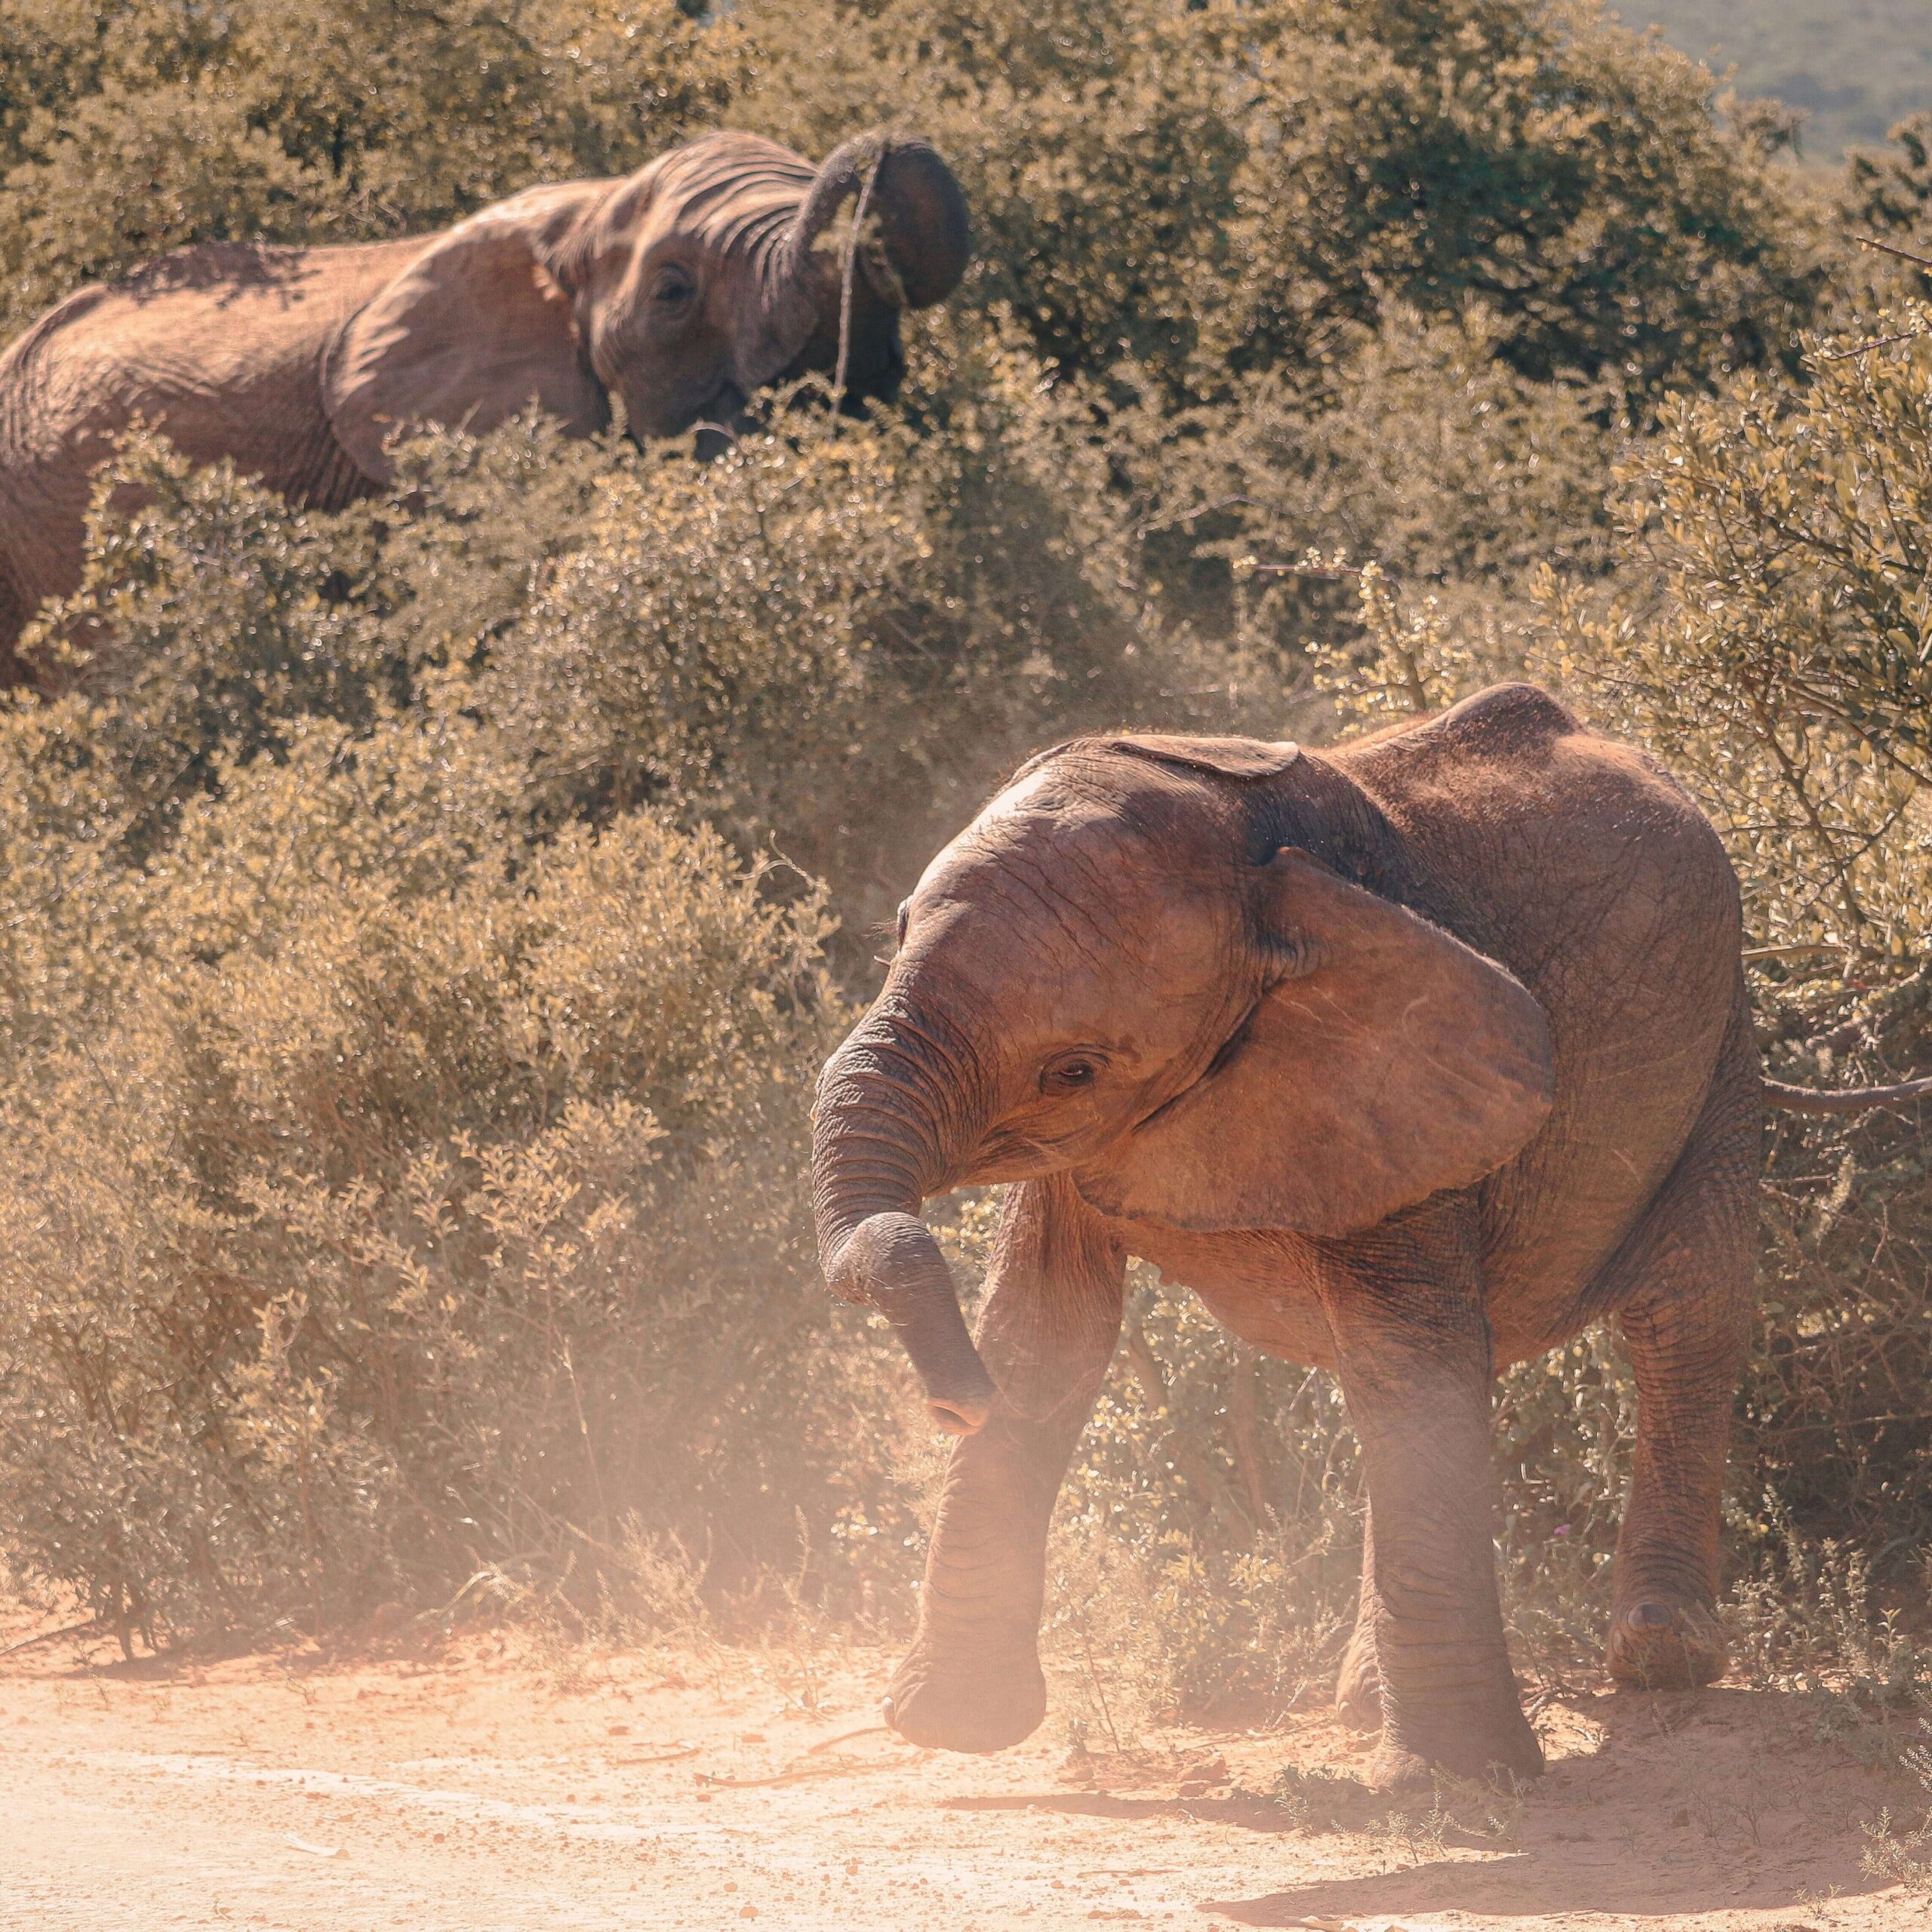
[{"x": 876, "y": 1148}]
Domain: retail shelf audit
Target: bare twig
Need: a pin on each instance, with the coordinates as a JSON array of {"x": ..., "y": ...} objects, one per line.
[
  {"x": 53, "y": 1636},
  {"x": 845, "y": 289},
  {"x": 1883, "y": 342},
  {"x": 589, "y": 1448},
  {"x": 1887, "y": 248},
  {"x": 832, "y": 1770},
  {"x": 1241, "y": 1423},
  {"x": 1842, "y": 1100},
  {"x": 1154, "y": 524},
  {"x": 665, "y": 1757},
  {"x": 1325, "y": 573},
  {"x": 1093, "y": 1674},
  {"x": 846, "y": 1737}
]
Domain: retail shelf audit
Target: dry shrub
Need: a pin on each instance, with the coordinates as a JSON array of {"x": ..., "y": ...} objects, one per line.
[
  {"x": 407, "y": 1016},
  {"x": 419, "y": 1234},
  {"x": 1208, "y": 1545},
  {"x": 1767, "y": 636},
  {"x": 412, "y": 1024},
  {"x": 405, "y": 1102},
  {"x": 781, "y": 638}
]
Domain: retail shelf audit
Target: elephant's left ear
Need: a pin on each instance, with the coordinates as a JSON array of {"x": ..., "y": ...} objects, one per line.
[
  {"x": 1389, "y": 1061},
  {"x": 473, "y": 329}
]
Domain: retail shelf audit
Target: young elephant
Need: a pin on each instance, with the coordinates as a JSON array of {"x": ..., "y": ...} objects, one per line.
[
  {"x": 679, "y": 290},
  {"x": 1411, "y": 1060}
]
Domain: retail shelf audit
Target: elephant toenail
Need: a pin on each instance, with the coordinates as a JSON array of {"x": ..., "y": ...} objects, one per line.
[{"x": 1650, "y": 1617}]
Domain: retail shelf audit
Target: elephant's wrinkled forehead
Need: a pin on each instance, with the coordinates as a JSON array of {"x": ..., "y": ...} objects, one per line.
[
  {"x": 721, "y": 190},
  {"x": 1080, "y": 881},
  {"x": 1152, "y": 823}
]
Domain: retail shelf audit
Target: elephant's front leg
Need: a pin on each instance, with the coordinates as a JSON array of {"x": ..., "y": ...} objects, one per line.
[
  {"x": 972, "y": 1681},
  {"x": 1412, "y": 1344}
]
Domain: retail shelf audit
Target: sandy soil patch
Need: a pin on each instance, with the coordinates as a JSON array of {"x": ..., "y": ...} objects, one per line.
[{"x": 494, "y": 1785}]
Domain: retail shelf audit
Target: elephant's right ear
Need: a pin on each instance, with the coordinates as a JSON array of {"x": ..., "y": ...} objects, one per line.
[
  {"x": 476, "y": 328},
  {"x": 1386, "y": 1061}
]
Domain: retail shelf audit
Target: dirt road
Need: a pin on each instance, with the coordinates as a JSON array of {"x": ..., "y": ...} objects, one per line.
[{"x": 496, "y": 1787}]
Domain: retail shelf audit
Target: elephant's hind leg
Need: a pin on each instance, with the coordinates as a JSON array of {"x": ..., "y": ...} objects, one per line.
[{"x": 1684, "y": 1282}]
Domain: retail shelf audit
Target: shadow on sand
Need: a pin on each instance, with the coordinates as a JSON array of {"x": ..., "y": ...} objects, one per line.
[
  {"x": 1713, "y": 1800},
  {"x": 1658, "y": 1807}
]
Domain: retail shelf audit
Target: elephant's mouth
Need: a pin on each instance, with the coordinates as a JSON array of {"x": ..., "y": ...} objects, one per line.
[
  {"x": 873, "y": 369},
  {"x": 722, "y": 420},
  {"x": 1007, "y": 1155},
  {"x": 876, "y": 368}
]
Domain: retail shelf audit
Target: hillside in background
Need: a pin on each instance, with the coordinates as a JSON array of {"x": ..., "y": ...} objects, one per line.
[{"x": 1856, "y": 67}]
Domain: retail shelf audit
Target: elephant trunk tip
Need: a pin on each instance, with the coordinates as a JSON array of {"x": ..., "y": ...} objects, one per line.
[{"x": 890, "y": 1262}]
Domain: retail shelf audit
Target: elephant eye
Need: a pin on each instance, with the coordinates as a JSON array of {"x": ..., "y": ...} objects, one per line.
[
  {"x": 1071, "y": 1075},
  {"x": 672, "y": 288},
  {"x": 898, "y": 941}
]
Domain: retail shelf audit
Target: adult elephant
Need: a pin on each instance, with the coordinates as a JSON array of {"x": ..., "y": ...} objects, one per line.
[
  {"x": 680, "y": 290},
  {"x": 1411, "y": 1060}
]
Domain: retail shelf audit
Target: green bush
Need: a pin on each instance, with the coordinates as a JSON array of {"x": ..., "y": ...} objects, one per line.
[
  {"x": 125, "y": 131},
  {"x": 1225, "y": 189}
]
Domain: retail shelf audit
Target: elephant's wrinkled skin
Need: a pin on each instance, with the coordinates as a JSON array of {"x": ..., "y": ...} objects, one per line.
[
  {"x": 1410, "y": 1059},
  {"x": 679, "y": 289}
]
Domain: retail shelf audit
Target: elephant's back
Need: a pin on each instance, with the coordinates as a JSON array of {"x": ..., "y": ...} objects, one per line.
[
  {"x": 221, "y": 346},
  {"x": 1582, "y": 866}
]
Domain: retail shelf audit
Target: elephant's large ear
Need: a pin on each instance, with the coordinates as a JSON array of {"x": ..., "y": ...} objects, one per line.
[
  {"x": 1389, "y": 1061},
  {"x": 474, "y": 329}
]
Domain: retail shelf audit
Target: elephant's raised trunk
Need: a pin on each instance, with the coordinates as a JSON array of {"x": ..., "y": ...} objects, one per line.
[
  {"x": 918, "y": 247},
  {"x": 875, "y": 1144}
]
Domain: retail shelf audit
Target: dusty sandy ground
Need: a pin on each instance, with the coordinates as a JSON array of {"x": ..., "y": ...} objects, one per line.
[{"x": 496, "y": 1783}]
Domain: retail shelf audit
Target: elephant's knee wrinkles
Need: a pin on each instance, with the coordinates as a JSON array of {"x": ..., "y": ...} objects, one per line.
[{"x": 1405, "y": 1590}]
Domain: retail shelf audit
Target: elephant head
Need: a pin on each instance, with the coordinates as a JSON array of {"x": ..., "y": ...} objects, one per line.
[
  {"x": 680, "y": 290},
  {"x": 1145, "y": 965}
]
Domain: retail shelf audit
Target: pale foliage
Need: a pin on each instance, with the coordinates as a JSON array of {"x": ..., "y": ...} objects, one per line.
[{"x": 1775, "y": 649}]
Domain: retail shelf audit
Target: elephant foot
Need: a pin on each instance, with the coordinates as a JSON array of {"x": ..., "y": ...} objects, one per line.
[
  {"x": 1358, "y": 1688},
  {"x": 1656, "y": 1645},
  {"x": 951, "y": 1705},
  {"x": 1488, "y": 1746}
]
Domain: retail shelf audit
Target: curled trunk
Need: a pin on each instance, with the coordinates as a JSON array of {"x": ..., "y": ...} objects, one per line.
[
  {"x": 912, "y": 252},
  {"x": 876, "y": 1148},
  {"x": 919, "y": 250}
]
